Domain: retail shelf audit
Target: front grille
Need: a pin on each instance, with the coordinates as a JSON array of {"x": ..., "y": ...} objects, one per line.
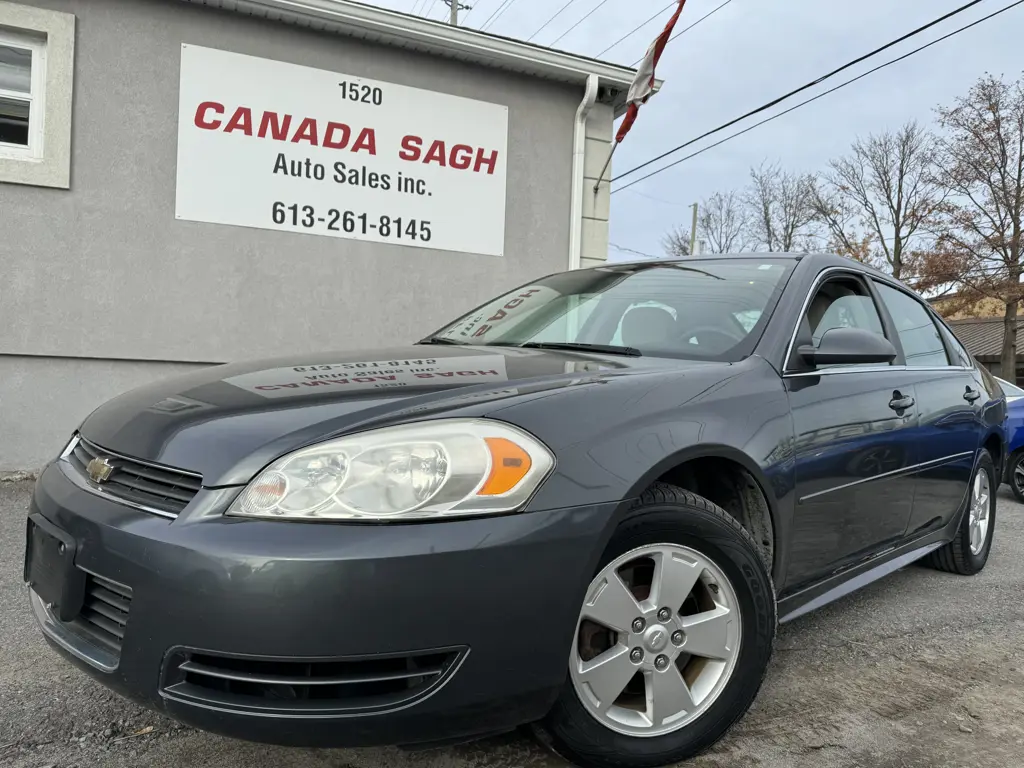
[
  {"x": 104, "y": 613},
  {"x": 310, "y": 687},
  {"x": 162, "y": 490}
]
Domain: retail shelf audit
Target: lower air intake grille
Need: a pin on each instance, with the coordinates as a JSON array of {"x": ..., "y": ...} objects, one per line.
[
  {"x": 310, "y": 687},
  {"x": 104, "y": 614},
  {"x": 162, "y": 490}
]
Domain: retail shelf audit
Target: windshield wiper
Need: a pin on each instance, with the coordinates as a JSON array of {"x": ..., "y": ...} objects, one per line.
[
  {"x": 606, "y": 349},
  {"x": 440, "y": 340}
]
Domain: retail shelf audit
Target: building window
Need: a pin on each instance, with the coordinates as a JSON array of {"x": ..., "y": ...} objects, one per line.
[
  {"x": 22, "y": 95},
  {"x": 37, "y": 62}
]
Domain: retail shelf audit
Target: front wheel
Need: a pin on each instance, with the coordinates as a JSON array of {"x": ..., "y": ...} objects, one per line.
[{"x": 672, "y": 641}]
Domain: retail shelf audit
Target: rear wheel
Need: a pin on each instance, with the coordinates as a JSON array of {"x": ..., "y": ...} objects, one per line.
[
  {"x": 968, "y": 552},
  {"x": 1015, "y": 475},
  {"x": 672, "y": 641}
]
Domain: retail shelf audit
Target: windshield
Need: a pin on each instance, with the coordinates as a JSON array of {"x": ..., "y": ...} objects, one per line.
[{"x": 709, "y": 309}]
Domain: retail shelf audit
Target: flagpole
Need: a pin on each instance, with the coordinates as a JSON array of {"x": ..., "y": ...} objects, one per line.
[
  {"x": 604, "y": 168},
  {"x": 642, "y": 87}
]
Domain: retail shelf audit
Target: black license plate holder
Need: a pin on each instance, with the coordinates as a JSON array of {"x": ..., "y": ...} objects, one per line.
[{"x": 50, "y": 567}]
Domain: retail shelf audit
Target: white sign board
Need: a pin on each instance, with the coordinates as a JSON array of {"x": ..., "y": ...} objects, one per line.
[
  {"x": 372, "y": 374},
  {"x": 279, "y": 146}
]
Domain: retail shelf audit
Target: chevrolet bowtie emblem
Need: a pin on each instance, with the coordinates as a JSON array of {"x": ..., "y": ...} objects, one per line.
[{"x": 99, "y": 470}]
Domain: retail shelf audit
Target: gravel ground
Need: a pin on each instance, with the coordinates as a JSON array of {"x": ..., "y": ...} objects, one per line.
[{"x": 922, "y": 669}]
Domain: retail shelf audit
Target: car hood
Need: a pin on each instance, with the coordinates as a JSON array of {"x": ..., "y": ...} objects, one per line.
[{"x": 227, "y": 422}]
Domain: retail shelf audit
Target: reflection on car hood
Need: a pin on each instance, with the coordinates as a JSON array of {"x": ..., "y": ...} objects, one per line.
[{"x": 229, "y": 421}]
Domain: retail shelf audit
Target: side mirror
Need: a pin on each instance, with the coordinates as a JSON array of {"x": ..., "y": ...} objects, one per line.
[{"x": 848, "y": 346}]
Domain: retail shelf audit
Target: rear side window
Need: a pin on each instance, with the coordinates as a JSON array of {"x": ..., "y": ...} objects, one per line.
[{"x": 922, "y": 344}]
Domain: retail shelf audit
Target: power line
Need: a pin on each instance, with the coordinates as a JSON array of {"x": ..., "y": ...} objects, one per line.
[
  {"x": 813, "y": 98},
  {"x": 570, "y": 29},
  {"x": 470, "y": 11},
  {"x": 816, "y": 81},
  {"x": 637, "y": 253},
  {"x": 505, "y": 5},
  {"x": 557, "y": 14},
  {"x": 684, "y": 30},
  {"x": 636, "y": 29}
]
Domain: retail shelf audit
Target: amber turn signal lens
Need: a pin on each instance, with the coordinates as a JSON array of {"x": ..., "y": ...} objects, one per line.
[{"x": 509, "y": 465}]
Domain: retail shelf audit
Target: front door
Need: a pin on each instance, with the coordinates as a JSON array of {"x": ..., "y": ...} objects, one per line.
[{"x": 856, "y": 430}]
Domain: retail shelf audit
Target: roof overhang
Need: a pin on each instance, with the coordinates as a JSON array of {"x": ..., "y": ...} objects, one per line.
[{"x": 404, "y": 30}]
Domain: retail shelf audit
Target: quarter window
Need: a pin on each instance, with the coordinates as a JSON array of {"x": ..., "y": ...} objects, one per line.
[
  {"x": 960, "y": 355},
  {"x": 22, "y": 64},
  {"x": 922, "y": 344}
]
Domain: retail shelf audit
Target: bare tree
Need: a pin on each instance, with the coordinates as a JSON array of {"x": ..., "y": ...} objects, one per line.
[
  {"x": 781, "y": 215},
  {"x": 879, "y": 202},
  {"x": 677, "y": 243},
  {"x": 722, "y": 224},
  {"x": 981, "y": 164}
]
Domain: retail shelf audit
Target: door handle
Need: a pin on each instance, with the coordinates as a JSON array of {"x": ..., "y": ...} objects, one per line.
[
  {"x": 971, "y": 395},
  {"x": 899, "y": 402}
]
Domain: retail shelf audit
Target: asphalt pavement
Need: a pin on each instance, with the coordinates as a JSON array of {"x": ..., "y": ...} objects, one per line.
[{"x": 920, "y": 670}]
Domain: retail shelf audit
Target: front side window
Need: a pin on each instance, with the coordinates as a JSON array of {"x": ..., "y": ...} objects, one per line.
[
  {"x": 713, "y": 309},
  {"x": 21, "y": 97},
  {"x": 842, "y": 302},
  {"x": 922, "y": 344}
]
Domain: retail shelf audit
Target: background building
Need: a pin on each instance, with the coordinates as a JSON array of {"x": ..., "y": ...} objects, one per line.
[
  {"x": 983, "y": 337},
  {"x": 191, "y": 182}
]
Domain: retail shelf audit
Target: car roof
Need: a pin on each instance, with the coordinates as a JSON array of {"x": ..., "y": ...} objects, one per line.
[{"x": 819, "y": 259}]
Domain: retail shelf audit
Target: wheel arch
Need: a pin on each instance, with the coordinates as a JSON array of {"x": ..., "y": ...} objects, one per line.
[
  {"x": 731, "y": 479},
  {"x": 995, "y": 444}
]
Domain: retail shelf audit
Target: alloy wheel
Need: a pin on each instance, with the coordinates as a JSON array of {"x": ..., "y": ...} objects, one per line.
[
  {"x": 979, "y": 512},
  {"x": 1018, "y": 475},
  {"x": 657, "y": 640}
]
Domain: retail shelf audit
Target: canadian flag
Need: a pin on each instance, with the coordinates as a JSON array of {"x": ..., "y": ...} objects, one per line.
[{"x": 643, "y": 84}]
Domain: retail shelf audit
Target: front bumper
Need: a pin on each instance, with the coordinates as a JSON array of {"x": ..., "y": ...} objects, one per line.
[{"x": 489, "y": 605}]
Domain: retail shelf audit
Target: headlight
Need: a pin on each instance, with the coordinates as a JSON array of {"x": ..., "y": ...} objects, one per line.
[{"x": 431, "y": 469}]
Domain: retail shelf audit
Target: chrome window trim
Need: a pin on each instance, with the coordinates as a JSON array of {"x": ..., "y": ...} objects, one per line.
[
  {"x": 866, "y": 369},
  {"x": 872, "y": 369}
]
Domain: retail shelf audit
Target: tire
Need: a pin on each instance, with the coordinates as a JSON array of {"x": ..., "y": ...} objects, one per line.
[
  {"x": 679, "y": 525},
  {"x": 1013, "y": 479},
  {"x": 958, "y": 556}
]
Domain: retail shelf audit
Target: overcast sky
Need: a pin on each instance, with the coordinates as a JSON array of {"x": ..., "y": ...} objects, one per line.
[{"x": 744, "y": 55}]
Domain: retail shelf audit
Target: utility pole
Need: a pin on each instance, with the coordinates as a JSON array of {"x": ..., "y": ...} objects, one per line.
[
  {"x": 456, "y": 6},
  {"x": 693, "y": 232}
]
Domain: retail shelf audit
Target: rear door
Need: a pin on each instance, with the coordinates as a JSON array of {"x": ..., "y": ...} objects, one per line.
[{"x": 949, "y": 400}]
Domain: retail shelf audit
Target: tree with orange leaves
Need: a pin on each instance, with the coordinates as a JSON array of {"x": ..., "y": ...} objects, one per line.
[{"x": 980, "y": 164}]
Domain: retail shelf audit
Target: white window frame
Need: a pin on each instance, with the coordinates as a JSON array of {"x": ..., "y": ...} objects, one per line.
[
  {"x": 51, "y": 37},
  {"x": 36, "y": 97}
]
